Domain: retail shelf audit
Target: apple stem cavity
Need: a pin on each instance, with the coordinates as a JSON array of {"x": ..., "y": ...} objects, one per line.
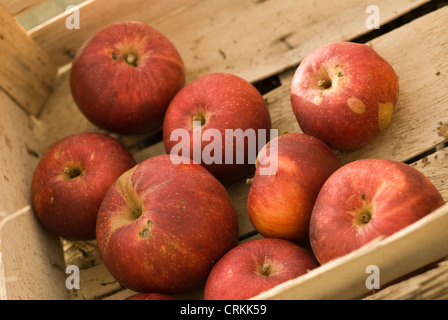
[
  {"x": 364, "y": 217},
  {"x": 324, "y": 83},
  {"x": 131, "y": 59},
  {"x": 199, "y": 117},
  {"x": 136, "y": 212},
  {"x": 73, "y": 172}
]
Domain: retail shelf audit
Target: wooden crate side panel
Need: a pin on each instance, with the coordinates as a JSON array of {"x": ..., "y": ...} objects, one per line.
[
  {"x": 31, "y": 260},
  {"x": 27, "y": 73},
  {"x": 17, "y": 7},
  {"x": 430, "y": 285},
  {"x": 256, "y": 38}
]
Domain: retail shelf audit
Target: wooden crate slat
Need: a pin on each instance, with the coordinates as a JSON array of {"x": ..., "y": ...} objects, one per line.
[
  {"x": 31, "y": 260},
  {"x": 256, "y": 38},
  {"x": 27, "y": 73},
  {"x": 289, "y": 30},
  {"x": 430, "y": 285}
]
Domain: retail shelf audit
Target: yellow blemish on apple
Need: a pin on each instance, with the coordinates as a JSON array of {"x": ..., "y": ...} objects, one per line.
[
  {"x": 356, "y": 105},
  {"x": 385, "y": 112},
  {"x": 318, "y": 99}
]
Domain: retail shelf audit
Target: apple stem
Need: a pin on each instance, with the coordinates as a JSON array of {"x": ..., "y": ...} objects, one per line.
[
  {"x": 265, "y": 269},
  {"x": 131, "y": 59},
  {"x": 249, "y": 181}
]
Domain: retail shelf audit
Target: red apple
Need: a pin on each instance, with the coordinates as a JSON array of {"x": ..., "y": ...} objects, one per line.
[
  {"x": 344, "y": 94},
  {"x": 71, "y": 179},
  {"x": 162, "y": 226},
  {"x": 280, "y": 204},
  {"x": 150, "y": 296},
  {"x": 366, "y": 199},
  {"x": 256, "y": 266},
  {"x": 224, "y": 106},
  {"x": 124, "y": 76}
]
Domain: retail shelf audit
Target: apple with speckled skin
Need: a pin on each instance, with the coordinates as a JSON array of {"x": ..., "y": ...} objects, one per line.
[
  {"x": 344, "y": 93},
  {"x": 161, "y": 226},
  {"x": 279, "y": 205},
  {"x": 124, "y": 76},
  {"x": 256, "y": 266},
  {"x": 231, "y": 115},
  {"x": 366, "y": 199},
  {"x": 71, "y": 179}
]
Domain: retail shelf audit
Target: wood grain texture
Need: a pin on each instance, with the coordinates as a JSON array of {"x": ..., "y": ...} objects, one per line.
[
  {"x": 430, "y": 285},
  {"x": 253, "y": 39},
  {"x": 16, "y": 7},
  {"x": 31, "y": 259},
  {"x": 27, "y": 73}
]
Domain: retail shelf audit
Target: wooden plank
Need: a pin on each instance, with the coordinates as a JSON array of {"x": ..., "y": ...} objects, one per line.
[
  {"x": 27, "y": 73},
  {"x": 430, "y": 285},
  {"x": 61, "y": 43},
  {"x": 95, "y": 282},
  {"x": 435, "y": 167},
  {"x": 31, "y": 260},
  {"x": 256, "y": 38},
  {"x": 16, "y": 7}
]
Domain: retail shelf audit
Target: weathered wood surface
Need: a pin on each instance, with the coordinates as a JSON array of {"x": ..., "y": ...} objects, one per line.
[
  {"x": 27, "y": 73},
  {"x": 16, "y": 7},
  {"x": 253, "y": 39},
  {"x": 31, "y": 260},
  {"x": 430, "y": 285}
]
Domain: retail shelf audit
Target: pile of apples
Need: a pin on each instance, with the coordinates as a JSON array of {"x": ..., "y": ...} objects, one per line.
[{"x": 164, "y": 227}]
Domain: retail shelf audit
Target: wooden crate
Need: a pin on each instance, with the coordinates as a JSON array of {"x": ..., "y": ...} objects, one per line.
[{"x": 262, "y": 41}]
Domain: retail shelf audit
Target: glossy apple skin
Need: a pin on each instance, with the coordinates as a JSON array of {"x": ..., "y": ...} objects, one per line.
[
  {"x": 68, "y": 207},
  {"x": 161, "y": 227},
  {"x": 280, "y": 205},
  {"x": 238, "y": 276},
  {"x": 121, "y": 97},
  {"x": 150, "y": 296},
  {"x": 395, "y": 195},
  {"x": 358, "y": 104},
  {"x": 226, "y": 101}
]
